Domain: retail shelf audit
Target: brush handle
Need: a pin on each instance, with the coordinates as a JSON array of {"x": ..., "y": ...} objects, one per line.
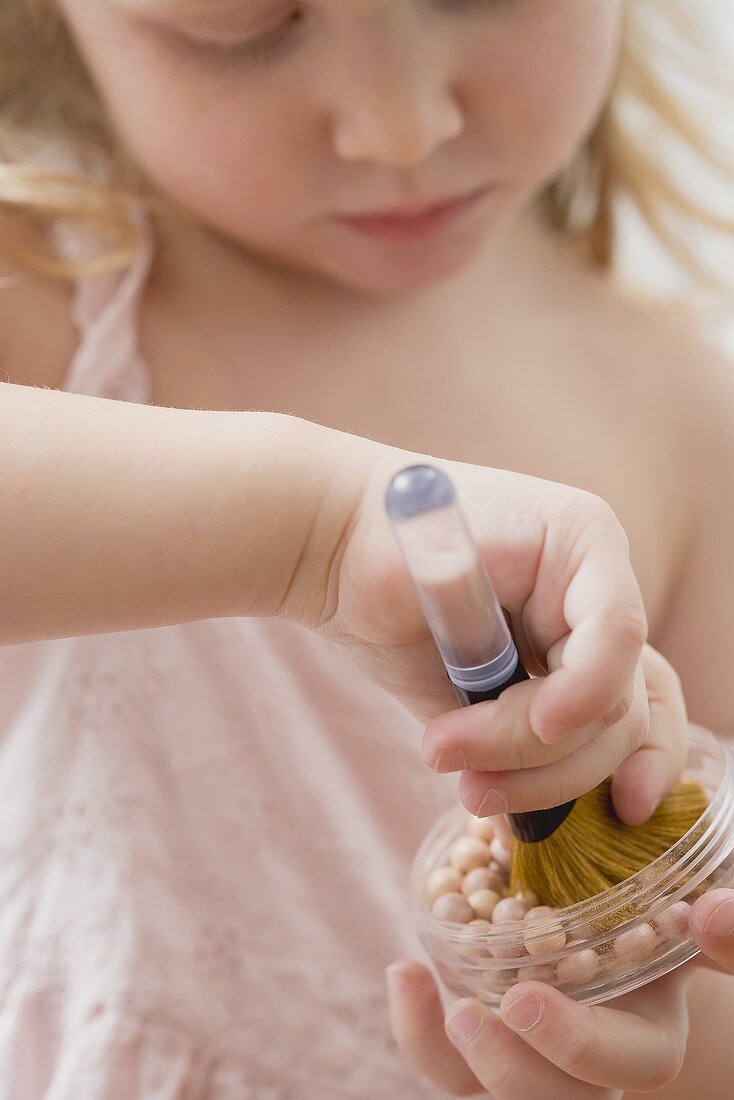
[
  {"x": 462, "y": 610},
  {"x": 535, "y": 825},
  {"x": 466, "y": 698}
]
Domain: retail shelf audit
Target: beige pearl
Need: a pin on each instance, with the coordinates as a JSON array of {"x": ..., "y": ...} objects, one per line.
[
  {"x": 500, "y": 854},
  {"x": 453, "y": 907},
  {"x": 484, "y": 902},
  {"x": 468, "y": 852},
  {"x": 530, "y": 899},
  {"x": 538, "y": 974},
  {"x": 578, "y": 969},
  {"x": 583, "y": 932},
  {"x": 475, "y": 950},
  {"x": 673, "y": 923},
  {"x": 636, "y": 944},
  {"x": 509, "y": 909},
  {"x": 503, "y": 875},
  {"x": 554, "y": 939},
  {"x": 497, "y": 981},
  {"x": 513, "y": 950},
  {"x": 482, "y": 827},
  {"x": 539, "y": 911},
  {"x": 482, "y": 878},
  {"x": 444, "y": 880}
]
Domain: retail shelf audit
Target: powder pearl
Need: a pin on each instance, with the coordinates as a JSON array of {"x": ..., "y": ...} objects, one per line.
[
  {"x": 578, "y": 969},
  {"x": 481, "y": 827},
  {"x": 453, "y": 907},
  {"x": 552, "y": 940},
  {"x": 444, "y": 880},
  {"x": 537, "y": 974},
  {"x": 481, "y": 878},
  {"x": 530, "y": 899},
  {"x": 475, "y": 950},
  {"x": 509, "y": 909},
  {"x": 636, "y": 944},
  {"x": 497, "y": 981},
  {"x": 500, "y": 854},
  {"x": 583, "y": 932},
  {"x": 507, "y": 950},
  {"x": 674, "y": 921},
  {"x": 503, "y": 875},
  {"x": 468, "y": 852},
  {"x": 484, "y": 903},
  {"x": 539, "y": 911}
]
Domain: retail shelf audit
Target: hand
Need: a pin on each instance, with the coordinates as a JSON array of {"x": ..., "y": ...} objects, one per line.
[
  {"x": 543, "y": 1045},
  {"x": 506, "y": 767},
  {"x": 546, "y": 1046},
  {"x": 559, "y": 561}
]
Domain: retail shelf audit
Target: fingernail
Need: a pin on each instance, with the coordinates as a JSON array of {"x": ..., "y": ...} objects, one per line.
[
  {"x": 494, "y": 802},
  {"x": 552, "y": 733},
  {"x": 524, "y": 1012},
  {"x": 399, "y": 981},
  {"x": 721, "y": 921},
  {"x": 465, "y": 1024},
  {"x": 450, "y": 760}
]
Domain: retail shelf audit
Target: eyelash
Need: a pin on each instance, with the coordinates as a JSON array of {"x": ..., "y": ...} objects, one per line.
[
  {"x": 275, "y": 43},
  {"x": 264, "y": 48}
]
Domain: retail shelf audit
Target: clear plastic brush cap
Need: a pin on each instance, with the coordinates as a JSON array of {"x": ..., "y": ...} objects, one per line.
[{"x": 453, "y": 585}]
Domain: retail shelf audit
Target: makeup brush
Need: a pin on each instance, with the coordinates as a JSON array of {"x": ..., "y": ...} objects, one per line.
[{"x": 567, "y": 853}]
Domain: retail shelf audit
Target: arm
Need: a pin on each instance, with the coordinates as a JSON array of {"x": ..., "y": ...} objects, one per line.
[{"x": 117, "y": 516}]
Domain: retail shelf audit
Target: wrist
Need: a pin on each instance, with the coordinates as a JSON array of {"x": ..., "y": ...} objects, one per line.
[{"x": 333, "y": 469}]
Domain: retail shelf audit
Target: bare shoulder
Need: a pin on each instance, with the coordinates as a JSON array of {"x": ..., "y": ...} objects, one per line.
[
  {"x": 37, "y": 336},
  {"x": 689, "y": 398},
  {"x": 674, "y": 380}
]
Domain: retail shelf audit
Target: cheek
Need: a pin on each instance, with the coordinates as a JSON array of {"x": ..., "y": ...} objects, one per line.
[
  {"x": 547, "y": 83},
  {"x": 245, "y": 167},
  {"x": 237, "y": 156}
]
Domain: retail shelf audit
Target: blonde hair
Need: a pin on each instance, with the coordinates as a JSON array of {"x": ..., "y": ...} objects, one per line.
[{"x": 47, "y": 96}]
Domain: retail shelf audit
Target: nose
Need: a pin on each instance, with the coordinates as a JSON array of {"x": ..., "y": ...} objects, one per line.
[{"x": 395, "y": 105}]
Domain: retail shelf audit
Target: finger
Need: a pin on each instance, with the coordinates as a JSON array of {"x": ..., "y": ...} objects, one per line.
[
  {"x": 417, "y": 1022},
  {"x": 486, "y": 793},
  {"x": 496, "y": 735},
  {"x": 711, "y": 923},
  {"x": 603, "y": 1046},
  {"x": 644, "y": 778},
  {"x": 603, "y": 607},
  {"x": 504, "y": 1064}
]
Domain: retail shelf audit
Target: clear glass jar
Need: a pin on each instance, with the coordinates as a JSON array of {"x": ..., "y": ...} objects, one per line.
[{"x": 616, "y": 941}]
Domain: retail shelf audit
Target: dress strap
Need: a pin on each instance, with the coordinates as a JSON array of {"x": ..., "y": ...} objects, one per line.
[{"x": 105, "y": 308}]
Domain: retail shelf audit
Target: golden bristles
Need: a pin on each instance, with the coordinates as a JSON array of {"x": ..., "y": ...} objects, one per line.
[{"x": 592, "y": 850}]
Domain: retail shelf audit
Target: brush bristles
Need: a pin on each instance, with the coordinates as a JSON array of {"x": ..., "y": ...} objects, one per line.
[{"x": 592, "y": 850}]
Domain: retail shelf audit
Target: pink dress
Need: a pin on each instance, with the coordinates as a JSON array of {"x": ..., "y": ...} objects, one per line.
[{"x": 205, "y": 837}]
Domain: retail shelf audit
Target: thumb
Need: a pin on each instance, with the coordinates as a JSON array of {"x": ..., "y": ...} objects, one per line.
[{"x": 712, "y": 927}]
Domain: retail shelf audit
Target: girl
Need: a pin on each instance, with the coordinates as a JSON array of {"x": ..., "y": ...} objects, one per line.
[{"x": 394, "y": 219}]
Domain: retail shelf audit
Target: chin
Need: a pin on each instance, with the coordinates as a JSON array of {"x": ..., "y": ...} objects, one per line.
[{"x": 387, "y": 275}]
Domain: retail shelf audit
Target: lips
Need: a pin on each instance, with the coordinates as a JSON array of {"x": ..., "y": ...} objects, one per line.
[{"x": 410, "y": 223}]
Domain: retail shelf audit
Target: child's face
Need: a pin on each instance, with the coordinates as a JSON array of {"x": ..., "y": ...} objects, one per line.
[{"x": 272, "y": 120}]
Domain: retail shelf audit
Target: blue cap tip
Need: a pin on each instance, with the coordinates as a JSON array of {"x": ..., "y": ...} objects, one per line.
[{"x": 416, "y": 490}]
